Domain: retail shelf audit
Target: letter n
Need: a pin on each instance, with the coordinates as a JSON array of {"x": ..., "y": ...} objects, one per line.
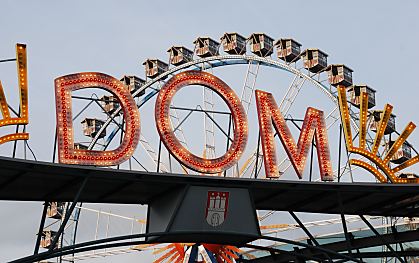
[{"x": 313, "y": 125}]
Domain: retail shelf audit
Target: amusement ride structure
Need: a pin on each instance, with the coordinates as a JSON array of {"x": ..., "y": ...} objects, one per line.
[{"x": 362, "y": 205}]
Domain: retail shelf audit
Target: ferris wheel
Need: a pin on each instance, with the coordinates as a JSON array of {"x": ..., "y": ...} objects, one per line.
[{"x": 297, "y": 78}]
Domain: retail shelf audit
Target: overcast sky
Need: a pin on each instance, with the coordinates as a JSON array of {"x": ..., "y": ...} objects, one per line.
[{"x": 377, "y": 39}]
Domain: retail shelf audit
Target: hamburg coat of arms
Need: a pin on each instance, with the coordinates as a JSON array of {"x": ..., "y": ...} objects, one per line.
[{"x": 217, "y": 205}]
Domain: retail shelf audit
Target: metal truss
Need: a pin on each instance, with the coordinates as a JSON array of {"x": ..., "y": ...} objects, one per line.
[
  {"x": 224, "y": 60},
  {"x": 292, "y": 92},
  {"x": 249, "y": 84},
  {"x": 308, "y": 251},
  {"x": 209, "y": 128}
]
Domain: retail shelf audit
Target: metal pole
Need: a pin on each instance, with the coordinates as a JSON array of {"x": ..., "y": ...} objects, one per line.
[
  {"x": 76, "y": 218},
  {"x": 15, "y": 143},
  {"x": 55, "y": 146},
  {"x": 311, "y": 158},
  {"x": 7, "y": 60},
  {"x": 304, "y": 228},
  {"x": 68, "y": 214},
  {"x": 228, "y": 136},
  {"x": 394, "y": 230},
  {"x": 41, "y": 228},
  {"x": 345, "y": 229},
  {"x": 381, "y": 238},
  {"x": 158, "y": 157},
  {"x": 122, "y": 136},
  {"x": 307, "y": 232},
  {"x": 170, "y": 161},
  {"x": 24, "y": 145},
  {"x": 257, "y": 157},
  {"x": 340, "y": 150}
]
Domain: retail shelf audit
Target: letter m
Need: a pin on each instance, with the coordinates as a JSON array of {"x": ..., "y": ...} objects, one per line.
[{"x": 313, "y": 126}]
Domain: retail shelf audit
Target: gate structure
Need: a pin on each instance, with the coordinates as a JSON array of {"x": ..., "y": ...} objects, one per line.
[{"x": 365, "y": 197}]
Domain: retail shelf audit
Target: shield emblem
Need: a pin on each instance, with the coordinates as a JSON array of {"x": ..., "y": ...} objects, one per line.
[{"x": 217, "y": 205}]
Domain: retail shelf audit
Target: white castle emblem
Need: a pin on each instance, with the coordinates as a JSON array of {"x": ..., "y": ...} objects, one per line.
[{"x": 217, "y": 204}]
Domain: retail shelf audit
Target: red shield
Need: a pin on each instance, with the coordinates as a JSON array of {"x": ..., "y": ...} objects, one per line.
[{"x": 217, "y": 205}]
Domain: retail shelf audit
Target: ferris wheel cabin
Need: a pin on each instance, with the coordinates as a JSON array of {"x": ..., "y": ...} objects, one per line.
[
  {"x": 339, "y": 74},
  {"x": 377, "y": 115},
  {"x": 206, "y": 47},
  {"x": 46, "y": 238},
  {"x": 355, "y": 95},
  {"x": 409, "y": 176},
  {"x": 91, "y": 127},
  {"x": 79, "y": 146},
  {"x": 134, "y": 83},
  {"x": 233, "y": 43},
  {"x": 110, "y": 103},
  {"x": 154, "y": 67},
  {"x": 288, "y": 49},
  {"x": 315, "y": 60},
  {"x": 179, "y": 55},
  {"x": 403, "y": 154},
  {"x": 55, "y": 210},
  {"x": 261, "y": 44}
]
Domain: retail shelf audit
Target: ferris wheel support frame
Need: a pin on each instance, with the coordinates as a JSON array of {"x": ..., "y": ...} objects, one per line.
[{"x": 226, "y": 60}]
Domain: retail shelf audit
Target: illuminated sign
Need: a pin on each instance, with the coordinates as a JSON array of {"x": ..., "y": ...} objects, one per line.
[
  {"x": 22, "y": 117},
  {"x": 169, "y": 139},
  {"x": 66, "y": 152},
  {"x": 313, "y": 126},
  {"x": 313, "y": 129},
  {"x": 381, "y": 163},
  {"x": 313, "y": 132}
]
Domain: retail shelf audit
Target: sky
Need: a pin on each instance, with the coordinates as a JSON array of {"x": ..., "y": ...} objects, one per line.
[{"x": 377, "y": 39}]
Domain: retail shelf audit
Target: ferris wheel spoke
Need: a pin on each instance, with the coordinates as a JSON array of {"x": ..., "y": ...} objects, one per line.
[
  {"x": 332, "y": 118},
  {"x": 177, "y": 129},
  {"x": 247, "y": 165},
  {"x": 176, "y": 122},
  {"x": 208, "y": 105},
  {"x": 152, "y": 153},
  {"x": 246, "y": 100},
  {"x": 346, "y": 170},
  {"x": 249, "y": 84},
  {"x": 292, "y": 92}
]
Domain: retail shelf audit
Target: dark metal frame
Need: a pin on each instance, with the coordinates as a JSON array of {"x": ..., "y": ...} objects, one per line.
[
  {"x": 111, "y": 242},
  {"x": 309, "y": 251},
  {"x": 297, "y": 253},
  {"x": 329, "y": 255}
]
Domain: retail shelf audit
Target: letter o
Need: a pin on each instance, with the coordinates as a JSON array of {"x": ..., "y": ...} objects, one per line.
[{"x": 167, "y": 134}]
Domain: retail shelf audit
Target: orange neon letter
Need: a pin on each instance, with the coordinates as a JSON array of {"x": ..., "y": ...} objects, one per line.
[
  {"x": 66, "y": 152},
  {"x": 23, "y": 117},
  {"x": 313, "y": 125},
  {"x": 167, "y": 134}
]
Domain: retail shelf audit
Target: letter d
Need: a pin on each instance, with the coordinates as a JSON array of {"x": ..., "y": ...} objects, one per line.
[{"x": 66, "y": 153}]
